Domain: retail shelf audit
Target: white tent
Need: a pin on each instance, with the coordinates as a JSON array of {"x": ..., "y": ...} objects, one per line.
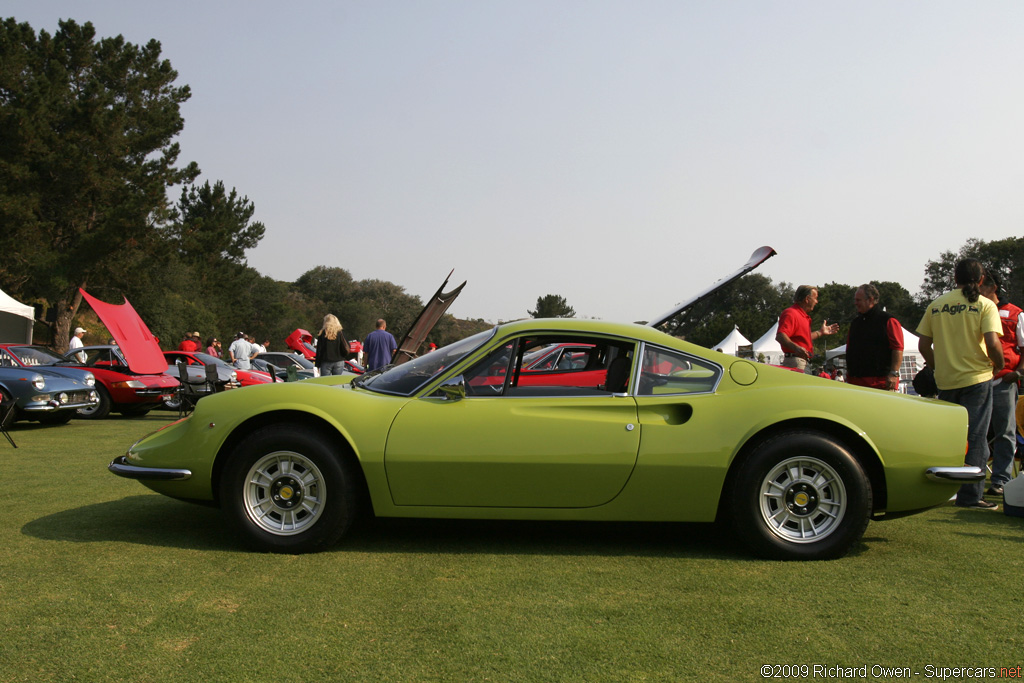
[
  {"x": 767, "y": 349},
  {"x": 731, "y": 342},
  {"x": 16, "y": 320}
]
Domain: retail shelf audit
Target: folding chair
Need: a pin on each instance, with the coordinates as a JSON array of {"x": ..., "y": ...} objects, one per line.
[
  {"x": 187, "y": 394},
  {"x": 6, "y": 412},
  {"x": 212, "y": 378},
  {"x": 272, "y": 369}
]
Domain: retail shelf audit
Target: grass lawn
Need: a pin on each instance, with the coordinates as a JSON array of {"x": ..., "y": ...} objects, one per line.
[{"x": 101, "y": 580}]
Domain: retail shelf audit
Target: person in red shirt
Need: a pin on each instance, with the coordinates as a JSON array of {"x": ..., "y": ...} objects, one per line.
[
  {"x": 190, "y": 342},
  {"x": 795, "y": 334},
  {"x": 874, "y": 345},
  {"x": 1004, "y": 387}
]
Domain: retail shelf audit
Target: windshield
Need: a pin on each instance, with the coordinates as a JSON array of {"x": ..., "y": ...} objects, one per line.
[
  {"x": 294, "y": 359},
  {"x": 406, "y": 378},
  {"x": 34, "y": 355},
  {"x": 206, "y": 359}
]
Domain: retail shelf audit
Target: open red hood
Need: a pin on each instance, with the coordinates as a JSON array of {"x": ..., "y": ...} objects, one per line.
[
  {"x": 138, "y": 345},
  {"x": 302, "y": 341}
]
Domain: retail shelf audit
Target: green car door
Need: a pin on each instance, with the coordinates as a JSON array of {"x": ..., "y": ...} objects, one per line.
[{"x": 506, "y": 451}]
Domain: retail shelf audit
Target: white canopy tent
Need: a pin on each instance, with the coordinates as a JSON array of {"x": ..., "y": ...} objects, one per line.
[
  {"x": 732, "y": 342},
  {"x": 767, "y": 349},
  {"x": 16, "y": 320}
]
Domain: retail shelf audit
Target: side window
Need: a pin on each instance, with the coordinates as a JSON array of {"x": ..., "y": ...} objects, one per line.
[
  {"x": 6, "y": 361},
  {"x": 553, "y": 366},
  {"x": 664, "y": 372},
  {"x": 487, "y": 378}
]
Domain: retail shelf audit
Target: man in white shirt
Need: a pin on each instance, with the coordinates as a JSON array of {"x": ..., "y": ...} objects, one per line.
[
  {"x": 241, "y": 352},
  {"x": 76, "y": 343}
]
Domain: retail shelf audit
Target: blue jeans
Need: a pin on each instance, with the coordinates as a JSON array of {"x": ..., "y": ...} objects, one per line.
[
  {"x": 977, "y": 398},
  {"x": 332, "y": 368},
  {"x": 1004, "y": 427}
]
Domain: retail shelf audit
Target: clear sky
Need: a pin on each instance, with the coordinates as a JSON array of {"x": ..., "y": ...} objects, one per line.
[{"x": 621, "y": 154}]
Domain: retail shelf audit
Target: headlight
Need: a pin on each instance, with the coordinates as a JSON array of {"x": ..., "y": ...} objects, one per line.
[
  {"x": 234, "y": 376},
  {"x": 62, "y": 397},
  {"x": 38, "y": 382},
  {"x": 90, "y": 380},
  {"x": 131, "y": 384}
]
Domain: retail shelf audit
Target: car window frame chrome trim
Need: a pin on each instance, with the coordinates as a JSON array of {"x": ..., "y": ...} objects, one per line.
[{"x": 637, "y": 366}]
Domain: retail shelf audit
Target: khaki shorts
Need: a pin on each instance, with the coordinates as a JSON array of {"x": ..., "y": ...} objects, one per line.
[{"x": 794, "y": 362}]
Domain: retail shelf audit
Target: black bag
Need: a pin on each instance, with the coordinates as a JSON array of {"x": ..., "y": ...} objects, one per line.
[{"x": 924, "y": 383}]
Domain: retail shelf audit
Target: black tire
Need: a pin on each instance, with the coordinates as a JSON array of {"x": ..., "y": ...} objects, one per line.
[
  {"x": 136, "y": 411},
  {"x": 287, "y": 491},
  {"x": 101, "y": 409},
  {"x": 800, "y": 495},
  {"x": 60, "y": 418}
]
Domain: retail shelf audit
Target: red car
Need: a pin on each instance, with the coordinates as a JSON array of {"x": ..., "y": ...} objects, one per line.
[
  {"x": 119, "y": 386},
  {"x": 129, "y": 375},
  {"x": 245, "y": 377}
]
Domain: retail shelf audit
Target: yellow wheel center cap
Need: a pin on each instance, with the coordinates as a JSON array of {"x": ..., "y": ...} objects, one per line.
[
  {"x": 801, "y": 499},
  {"x": 287, "y": 492}
]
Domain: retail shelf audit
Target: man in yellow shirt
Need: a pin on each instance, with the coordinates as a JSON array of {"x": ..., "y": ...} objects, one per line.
[{"x": 960, "y": 341}]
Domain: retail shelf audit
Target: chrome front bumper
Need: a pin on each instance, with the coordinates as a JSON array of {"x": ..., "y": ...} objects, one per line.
[
  {"x": 955, "y": 475},
  {"x": 121, "y": 468}
]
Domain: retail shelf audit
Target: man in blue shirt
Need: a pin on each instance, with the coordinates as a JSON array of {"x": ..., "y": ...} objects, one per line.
[{"x": 379, "y": 346}]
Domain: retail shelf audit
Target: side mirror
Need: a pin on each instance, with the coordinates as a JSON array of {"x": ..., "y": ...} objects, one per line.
[{"x": 453, "y": 389}]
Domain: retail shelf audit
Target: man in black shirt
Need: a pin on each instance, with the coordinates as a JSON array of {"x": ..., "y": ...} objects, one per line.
[{"x": 874, "y": 347}]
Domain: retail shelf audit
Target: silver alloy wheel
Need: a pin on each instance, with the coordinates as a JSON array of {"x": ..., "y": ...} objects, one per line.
[
  {"x": 284, "y": 493},
  {"x": 803, "y": 500}
]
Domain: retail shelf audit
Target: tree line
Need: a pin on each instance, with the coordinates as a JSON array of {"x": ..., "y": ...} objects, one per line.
[{"x": 88, "y": 163}]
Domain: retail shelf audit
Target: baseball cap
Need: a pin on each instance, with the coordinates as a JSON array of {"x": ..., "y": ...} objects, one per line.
[{"x": 79, "y": 329}]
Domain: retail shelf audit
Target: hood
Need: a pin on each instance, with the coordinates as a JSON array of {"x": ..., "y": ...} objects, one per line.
[
  {"x": 138, "y": 345},
  {"x": 757, "y": 258},
  {"x": 302, "y": 341},
  {"x": 424, "y": 323}
]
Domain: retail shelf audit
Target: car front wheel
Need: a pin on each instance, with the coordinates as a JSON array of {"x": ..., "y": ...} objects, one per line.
[
  {"x": 287, "y": 491},
  {"x": 801, "y": 495},
  {"x": 100, "y": 409}
]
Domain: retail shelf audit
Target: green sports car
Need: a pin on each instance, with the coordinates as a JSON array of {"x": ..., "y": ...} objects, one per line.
[{"x": 655, "y": 429}]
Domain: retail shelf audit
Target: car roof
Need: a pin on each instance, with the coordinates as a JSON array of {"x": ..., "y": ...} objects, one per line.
[{"x": 584, "y": 326}]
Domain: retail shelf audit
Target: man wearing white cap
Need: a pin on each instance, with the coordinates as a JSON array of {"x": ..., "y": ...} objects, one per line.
[{"x": 76, "y": 343}]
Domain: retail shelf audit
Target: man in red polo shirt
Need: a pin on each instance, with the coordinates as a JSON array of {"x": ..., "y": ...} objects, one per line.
[
  {"x": 795, "y": 334},
  {"x": 1004, "y": 386}
]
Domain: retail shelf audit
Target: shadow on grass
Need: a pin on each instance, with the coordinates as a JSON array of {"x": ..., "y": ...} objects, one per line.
[
  {"x": 145, "y": 520},
  {"x": 158, "y": 521},
  {"x": 986, "y": 523},
  {"x": 25, "y": 426}
]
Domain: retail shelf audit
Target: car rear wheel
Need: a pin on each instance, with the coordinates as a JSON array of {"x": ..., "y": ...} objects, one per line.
[
  {"x": 101, "y": 409},
  {"x": 287, "y": 491},
  {"x": 801, "y": 495}
]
